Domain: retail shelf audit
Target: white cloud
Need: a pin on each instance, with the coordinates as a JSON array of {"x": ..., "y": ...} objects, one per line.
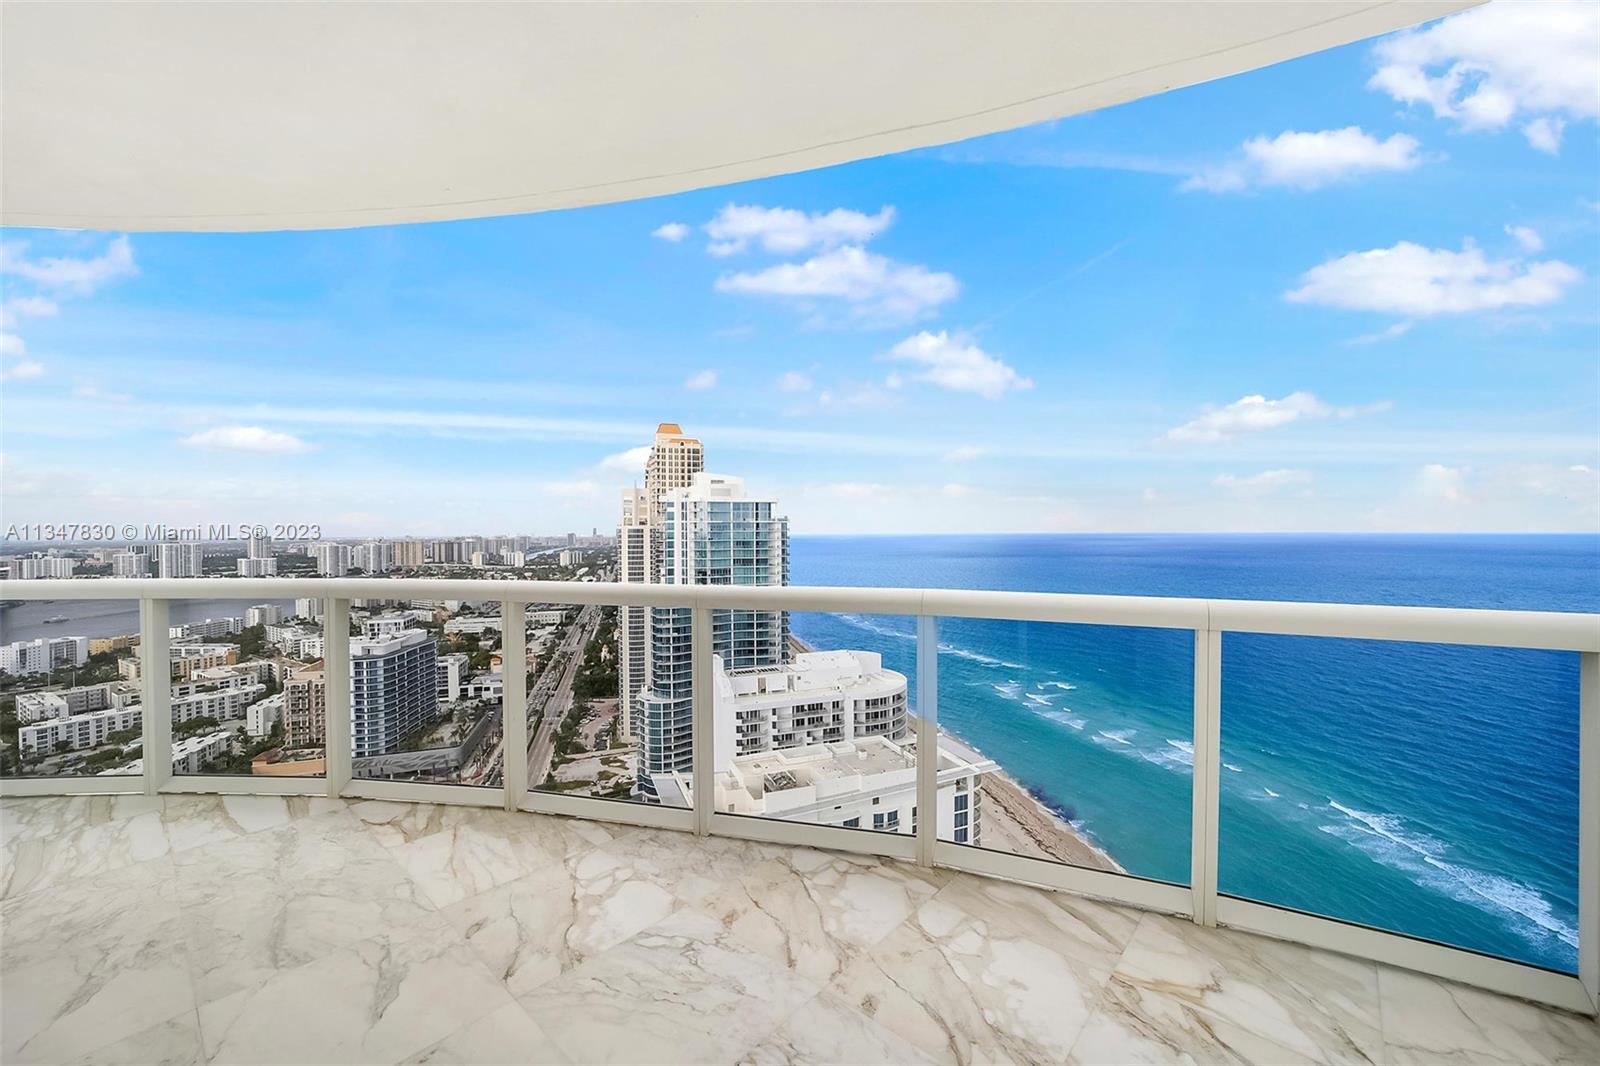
[
  {"x": 20, "y": 307},
  {"x": 1483, "y": 68},
  {"x": 1253, "y": 414},
  {"x": 876, "y": 286},
  {"x": 964, "y": 454},
  {"x": 1265, "y": 482},
  {"x": 1544, "y": 134},
  {"x": 785, "y": 231},
  {"x": 629, "y": 462},
  {"x": 956, "y": 490},
  {"x": 247, "y": 439},
  {"x": 954, "y": 364},
  {"x": 1309, "y": 160},
  {"x": 1443, "y": 482},
  {"x": 21, "y": 371},
  {"x": 1527, "y": 237},
  {"x": 82, "y": 276},
  {"x": 1388, "y": 333},
  {"x": 11, "y": 344},
  {"x": 672, "y": 232},
  {"x": 701, "y": 380},
  {"x": 1409, "y": 279},
  {"x": 794, "y": 381}
]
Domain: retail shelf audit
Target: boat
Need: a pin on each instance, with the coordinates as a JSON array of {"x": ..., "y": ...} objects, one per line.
[{"x": 55, "y": 618}]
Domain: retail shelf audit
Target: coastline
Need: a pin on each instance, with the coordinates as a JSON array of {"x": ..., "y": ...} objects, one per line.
[{"x": 1013, "y": 821}]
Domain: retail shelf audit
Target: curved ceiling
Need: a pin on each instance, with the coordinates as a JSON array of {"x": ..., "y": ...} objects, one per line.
[{"x": 251, "y": 116}]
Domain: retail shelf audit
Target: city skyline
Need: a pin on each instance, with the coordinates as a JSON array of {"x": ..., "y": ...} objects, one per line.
[{"x": 1351, "y": 292}]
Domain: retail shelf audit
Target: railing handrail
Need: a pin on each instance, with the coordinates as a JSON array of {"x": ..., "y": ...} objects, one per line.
[{"x": 1555, "y": 630}]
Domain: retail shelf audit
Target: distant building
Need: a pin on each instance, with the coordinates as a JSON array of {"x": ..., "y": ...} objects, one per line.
[
  {"x": 262, "y": 716},
  {"x": 818, "y": 698},
  {"x": 333, "y": 560},
  {"x": 862, "y": 784},
  {"x": 409, "y": 554},
  {"x": 305, "y": 709},
  {"x": 384, "y": 626},
  {"x": 373, "y": 557},
  {"x": 42, "y": 655},
  {"x": 252, "y": 567},
  {"x": 63, "y": 703},
  {"x": 709, "y": 534},
  {"x": 394, "y": 690},
  {"x": 210, "y": 629},
  {"x": 633, "y": 567},
  {"x": 308, "y": 607},
  {"x": 130, "y": 564},
  {"x": 451, "y": 673},
  {"x": 568, "y": 557},
  {"x": 263, "y": 614},
  {"x": 479, "y": 560},
  {"x": 180, "y": 559}
]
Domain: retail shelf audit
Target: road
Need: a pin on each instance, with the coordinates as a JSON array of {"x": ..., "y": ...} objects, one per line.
[{"x": 555, "y": 695}]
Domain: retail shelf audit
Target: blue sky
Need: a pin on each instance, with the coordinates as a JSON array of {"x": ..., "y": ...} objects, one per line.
[{"x": 1356, "y": 291}]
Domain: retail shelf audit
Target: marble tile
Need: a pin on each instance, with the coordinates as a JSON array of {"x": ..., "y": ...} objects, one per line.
[
  {"x": 195, "y": 821},
  {"x": 454, "y": 853},
  {"x": 26, "y": 818},
  {"x": 828, "y": 1030},
  {"x": 814, "y": 911},
  {"x": 379, "y": 1001},
  {"x": 1182, "y": 993},
  {"x": 90, "y": 962},
  {"x": 174, "y": 1042},
  {"x": 277, "y": 898},
  {"x": 963, "y": 989},
  {"x": 91, "y": 849},
  {"x": 693, "y": 869},
  {"x": 1427, "y": 1020},
  {"x": 540, "y": 926},
  {"x": 502, "y": 1038},
  {"x": 1086, "y": 930},
  {"x": 680, "y": 991}
]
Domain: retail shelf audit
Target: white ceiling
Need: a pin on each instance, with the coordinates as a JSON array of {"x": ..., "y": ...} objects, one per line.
[{"x": 257, "y": 116}]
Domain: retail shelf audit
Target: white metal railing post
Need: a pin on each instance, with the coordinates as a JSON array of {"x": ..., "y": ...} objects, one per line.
[
  {"x": 927, "y": 738},
  {"x": 155, "y": 692},
  {"x": 704, "y": 736},
  {"x": 1589, "y": 825},
  {"x": 1207, "y": 771},
  {"x": 514, "y": 701},
  {"x": 336, "y": 675}
]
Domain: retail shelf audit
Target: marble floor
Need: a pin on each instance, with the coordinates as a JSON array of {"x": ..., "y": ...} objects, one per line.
[{"x": 188, "y": 929}]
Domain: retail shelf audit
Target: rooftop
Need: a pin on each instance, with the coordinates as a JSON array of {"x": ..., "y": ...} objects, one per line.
[{"x": 256, "y": 928}]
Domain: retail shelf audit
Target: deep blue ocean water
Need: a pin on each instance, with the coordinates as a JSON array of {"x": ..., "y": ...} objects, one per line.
[{"x": 1427, "y": 789}]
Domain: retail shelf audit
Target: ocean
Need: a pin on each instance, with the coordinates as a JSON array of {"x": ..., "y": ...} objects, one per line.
[{"x": 1426, "y": 789}]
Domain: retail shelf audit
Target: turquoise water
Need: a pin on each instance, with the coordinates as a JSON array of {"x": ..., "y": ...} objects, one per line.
[{"x": 1426, "y": 789}]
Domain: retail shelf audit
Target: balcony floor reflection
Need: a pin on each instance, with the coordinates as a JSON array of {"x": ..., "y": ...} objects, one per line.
[{"x": 264, "y": 929}]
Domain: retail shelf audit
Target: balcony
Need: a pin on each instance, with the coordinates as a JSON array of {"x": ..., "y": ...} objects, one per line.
[
  {"x": 492, "y": 904},
  {"x": 294, "y": 929}
]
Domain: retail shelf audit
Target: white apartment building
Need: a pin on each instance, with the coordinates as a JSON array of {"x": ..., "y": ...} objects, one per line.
[
  {"x": 333, "y": 560},
  {"x": 190, "y": 755},
  {"x": 262, "y": 716},
  {"x": 308, "y": 607},
  {"x": 189, "y": 658},
  {"x": 708, "y": 534},
  {"x": 374, "y": 556},
  {"x": 43, "y": 654},
  {"x": 869, "y": 783},
  {"x": 296, "y": 640},
  {"x": 130, "y": 564},
  {"x": 818, "y": 698},
  {"x": 634, "y": 552},
  {"x": 63, "y": 703},
  {"x": 451, "y": 672},
  {"x": 38, "y": 567},
  {"x": 384, "y": 626},
  {"x": 179, "y": 559},
  {"x": 250, "y": 566},
  {"x": 210, "y": 629},
  {"x": 394, "y": 689},
  {"x": 263, "y": 614},
  {"x": 305, "y": 709}
]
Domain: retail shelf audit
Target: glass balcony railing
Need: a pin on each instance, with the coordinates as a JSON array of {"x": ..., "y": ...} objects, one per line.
[{"x": 1412, "y": 785}]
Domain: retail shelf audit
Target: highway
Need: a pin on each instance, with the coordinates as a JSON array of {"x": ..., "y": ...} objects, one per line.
[{"x": 554, "y": 694}]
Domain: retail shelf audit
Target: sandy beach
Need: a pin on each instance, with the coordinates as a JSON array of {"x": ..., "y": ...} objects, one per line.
[{"x": 1014, "y": 821}]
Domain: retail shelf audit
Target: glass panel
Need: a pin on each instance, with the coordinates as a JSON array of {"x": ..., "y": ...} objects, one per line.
[
  {"x": 1426, "y": 789},
  {"x": 583, "y": 738},
  {"x": 1087, "y": 732},
  {"x": 69, "y": 690},
  {"x": 426, "y": 683},
  {"x": 817, "y": 728},
  {"x": 234, "y": 665}
]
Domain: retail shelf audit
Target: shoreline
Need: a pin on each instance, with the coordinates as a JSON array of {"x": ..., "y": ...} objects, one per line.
[{"x": 1024, "y": 826}]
